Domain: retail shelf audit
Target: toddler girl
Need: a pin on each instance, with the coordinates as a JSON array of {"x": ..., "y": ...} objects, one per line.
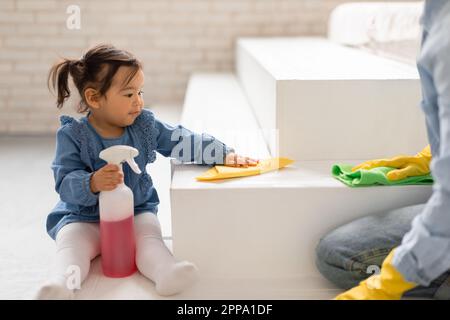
[{"x": 110, "y": 83}]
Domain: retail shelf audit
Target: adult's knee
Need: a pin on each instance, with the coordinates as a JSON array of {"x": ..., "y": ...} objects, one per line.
[
  {"x": 327, "y": 261},
  {"x": 352, "y": 252},
  {"x": 336, "y": 258}
]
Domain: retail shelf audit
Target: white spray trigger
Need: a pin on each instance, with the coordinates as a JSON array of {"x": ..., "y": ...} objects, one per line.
[
  {"x": 121, "y": 153},
  {"x": 133, "y": 165}
]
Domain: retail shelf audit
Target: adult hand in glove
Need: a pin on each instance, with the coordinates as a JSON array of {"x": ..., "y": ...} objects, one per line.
[
  {"x": 389, "y": 284},
  {"x": 406, "y": 166}
]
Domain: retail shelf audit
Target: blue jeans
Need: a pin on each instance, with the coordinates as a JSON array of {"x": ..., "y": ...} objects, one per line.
[{"x": 352, "y": 252}]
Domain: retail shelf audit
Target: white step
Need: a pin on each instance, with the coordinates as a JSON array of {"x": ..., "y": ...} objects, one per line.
[
  {"x": 267, "y": 226},
  {"x": 327, "y": 101},
  {"x": 216, "y": 104}
]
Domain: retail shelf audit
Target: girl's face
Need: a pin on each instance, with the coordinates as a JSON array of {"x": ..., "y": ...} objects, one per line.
[{"x": 122, "y": 103}]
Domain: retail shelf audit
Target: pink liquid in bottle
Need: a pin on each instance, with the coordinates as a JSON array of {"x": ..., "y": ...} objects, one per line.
[{"x": 118, "y": 247}]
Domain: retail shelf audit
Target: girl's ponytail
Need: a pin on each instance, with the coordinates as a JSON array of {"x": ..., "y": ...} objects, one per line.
[{"x": 58, "y": 79}]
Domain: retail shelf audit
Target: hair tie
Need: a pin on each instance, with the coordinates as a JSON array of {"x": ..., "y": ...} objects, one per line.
[
  {"x": 76, "y": 63},
  {"x": 72, "y": 63}
]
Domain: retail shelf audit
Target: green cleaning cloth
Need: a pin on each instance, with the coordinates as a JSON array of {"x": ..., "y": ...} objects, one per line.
[{"x": 375, "y": 176}]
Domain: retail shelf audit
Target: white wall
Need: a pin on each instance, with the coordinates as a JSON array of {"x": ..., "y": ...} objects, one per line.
[{"x": 173, "y": 38}]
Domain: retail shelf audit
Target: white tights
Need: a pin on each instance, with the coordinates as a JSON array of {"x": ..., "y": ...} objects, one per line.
[{"x": 78, "y": 243}]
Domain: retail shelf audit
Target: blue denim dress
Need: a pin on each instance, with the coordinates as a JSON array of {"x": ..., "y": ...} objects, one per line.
[
  {"x": 78, "y": 146},
  {"x": 425, "y": 250}
]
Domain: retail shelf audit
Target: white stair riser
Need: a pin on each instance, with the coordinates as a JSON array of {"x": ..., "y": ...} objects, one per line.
[
  {"x": 349, "y": 119},
  {"x": 263, "y": 232},
  {"x": 260, "y": 89}
]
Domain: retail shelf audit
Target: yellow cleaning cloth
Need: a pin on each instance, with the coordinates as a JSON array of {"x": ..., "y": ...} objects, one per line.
[{"x": 225, "y": 172}]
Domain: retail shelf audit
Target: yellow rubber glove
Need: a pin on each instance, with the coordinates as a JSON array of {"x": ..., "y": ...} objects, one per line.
[
  {"x": 225, "y": 172},
  {"x": 407, "y": 166},
  {"x": 389, "y": 284}
]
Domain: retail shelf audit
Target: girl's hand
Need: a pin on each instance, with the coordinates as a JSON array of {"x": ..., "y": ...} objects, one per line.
[
  {"x": 106, "y": 178},
  {"x": 234, "y": 160}
]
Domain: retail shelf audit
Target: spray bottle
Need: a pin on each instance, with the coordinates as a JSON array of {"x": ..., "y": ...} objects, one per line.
[{"x": 118, "y": 246}]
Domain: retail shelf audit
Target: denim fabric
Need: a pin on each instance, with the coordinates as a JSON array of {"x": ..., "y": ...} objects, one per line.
[
  {"x": 353, "y": 252},
  {"x": 76, "y": 159}
]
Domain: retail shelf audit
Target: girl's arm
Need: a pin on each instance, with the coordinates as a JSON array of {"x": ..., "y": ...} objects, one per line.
[
  {"x": 72, "y": 178},
  {"x": 187, "y": 146}
]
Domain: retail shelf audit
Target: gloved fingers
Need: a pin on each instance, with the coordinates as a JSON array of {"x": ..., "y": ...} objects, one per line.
[
  {"x": 396, "y": 162},
  {"x": 389, "y": 284},
  {"x": 399, "y": 174},
  {"x": 362, "y": 292},
  {"x": 373, "y": 164},
  {"x": 365, "y": 165},
  {"x": 426, "y": 152}
]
